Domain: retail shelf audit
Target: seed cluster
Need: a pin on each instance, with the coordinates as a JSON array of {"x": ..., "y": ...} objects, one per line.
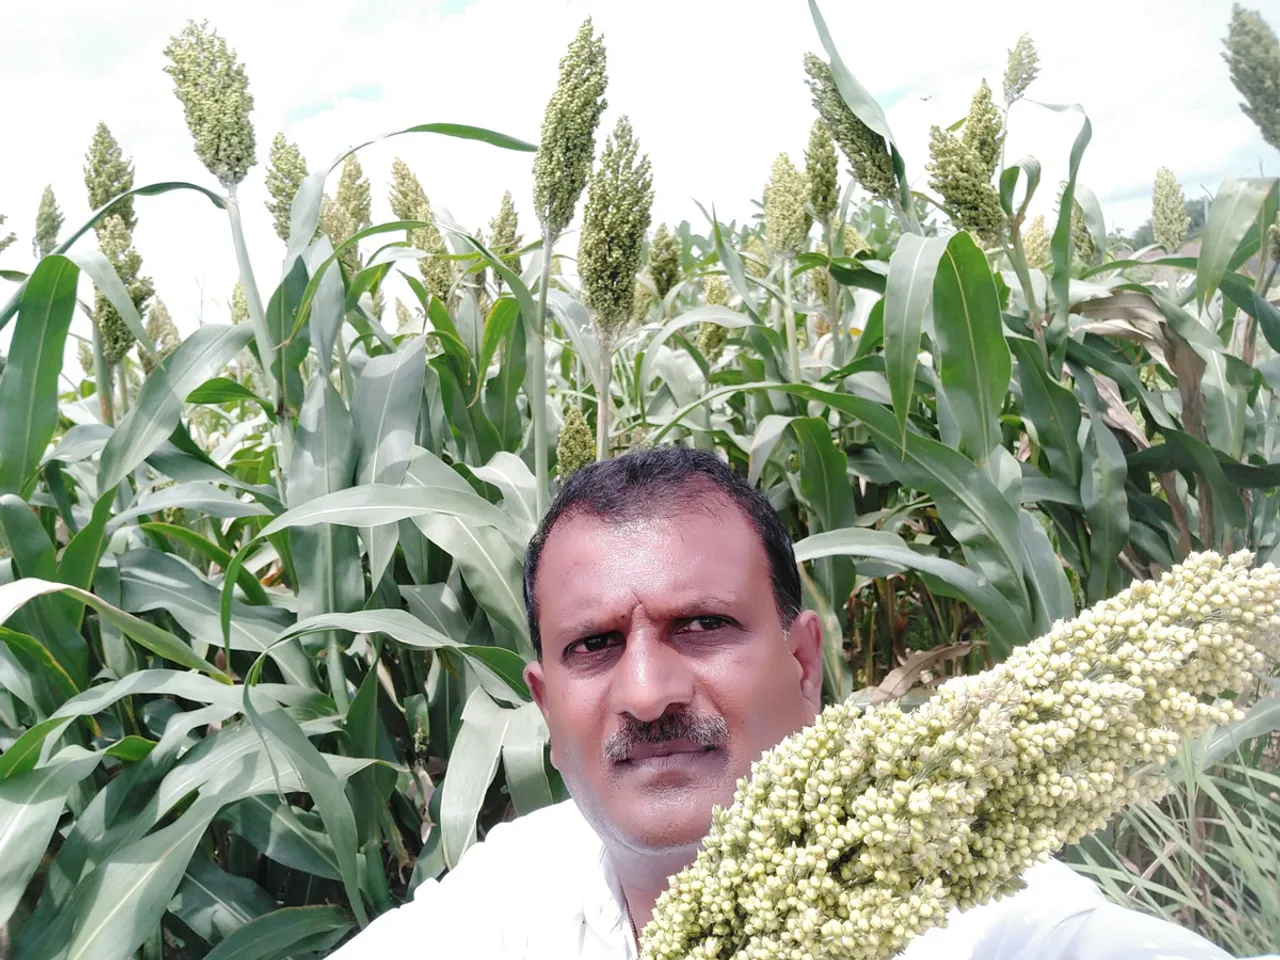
[{"x": 862, "y": 831}]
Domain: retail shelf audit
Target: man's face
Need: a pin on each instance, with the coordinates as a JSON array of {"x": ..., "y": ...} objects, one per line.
[{"x": 665, "y": 669}]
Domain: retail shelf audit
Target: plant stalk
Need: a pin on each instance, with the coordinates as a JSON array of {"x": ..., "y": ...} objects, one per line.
[
  {"x": 102, "y": 380},
  {"x": 1018, "y": 257},
  {"x": 604, "y": 399},
  {"x": 538, "y": 383},
  {"x": 789, "y": 314}
]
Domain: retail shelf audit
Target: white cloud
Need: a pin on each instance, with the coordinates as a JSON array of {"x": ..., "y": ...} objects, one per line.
[{"x": 714, "y": 89}]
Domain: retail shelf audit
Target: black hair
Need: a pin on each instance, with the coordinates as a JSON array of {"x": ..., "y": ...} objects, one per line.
[{"x": 650, "y": 482}]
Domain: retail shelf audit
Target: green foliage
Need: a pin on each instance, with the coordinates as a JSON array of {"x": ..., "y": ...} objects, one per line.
[
  {"x": 214, "y": 91},
  {"x": 310, "y": 569},
  {"x": 48, "y": 223}
]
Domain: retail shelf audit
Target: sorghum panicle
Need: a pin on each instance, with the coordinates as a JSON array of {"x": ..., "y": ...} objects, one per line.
[
  {"x": 786, "y": 222},
  {"x": 1253, "y": 54},
  {"x": 821, "y": 168},
  {"x": 1169, "y": 220},
  {"x": 214, "y": 91},
  {"x": 1021, "y": 69},
  {"x": 865, "y": 149},
  {"x": 858, "y": 833},
  {"x": 664, "y": 260},
  {"x": 563, "y": 163},
  {"x": 618, "y": 208},
  {"x": 286, "y": 169},
  {"x": 576, "y": 446}
]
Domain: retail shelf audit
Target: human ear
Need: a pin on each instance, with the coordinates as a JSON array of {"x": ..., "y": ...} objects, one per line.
[
  {"x": 537, "y": 684},
  {"x": 804, "y": 640}
]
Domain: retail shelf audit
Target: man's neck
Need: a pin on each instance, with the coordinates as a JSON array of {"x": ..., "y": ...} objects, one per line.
[{"x": 643, "y": 877}]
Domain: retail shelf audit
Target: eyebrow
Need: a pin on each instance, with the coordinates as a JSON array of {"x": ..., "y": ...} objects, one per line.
[{"x": 590, "y": 627}]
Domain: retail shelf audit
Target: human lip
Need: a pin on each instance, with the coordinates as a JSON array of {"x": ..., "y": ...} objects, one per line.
[{"x": 673, "y": 750}]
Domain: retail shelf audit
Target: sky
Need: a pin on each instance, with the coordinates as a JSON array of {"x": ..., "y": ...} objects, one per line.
[{"x": 714, "y": 89}]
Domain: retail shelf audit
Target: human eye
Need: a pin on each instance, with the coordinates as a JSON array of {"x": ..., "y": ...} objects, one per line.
[
  {"x": 591, "y": 647},
  {"x": 704, "y": 624}
]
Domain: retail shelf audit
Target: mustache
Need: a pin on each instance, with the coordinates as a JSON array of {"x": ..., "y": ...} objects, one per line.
[{"x": 705, "y": 731}]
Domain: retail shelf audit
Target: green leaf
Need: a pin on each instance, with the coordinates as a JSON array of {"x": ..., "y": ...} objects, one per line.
[
  {"x": 325, "y": 788},
  {"x": 1060, "y": 246},
  {"x": 118, "y": 905},
  {"x": 289, "y": 339},
  {"x": 280, "y": 933},
  {"x": 222, "y": 390},
  {"x": 471, "y": 769},
  {"x": 866, "y": 109},
  {"x": 722, "y": 316},
  {"x": 960, "y": 581},
  {"x": 1053, "y": 412},
  {"x": 1106, "y": 506},
  {"x": 151, "y": 580},
  {"x": 305, "y": 212},
  {"x": 328, "y": 307},
  {"x": 907, "y": 299},
  {"x": 524, "y": 752},
  {"x": 22, "y": 755},
  {"x": 54, "y": 620},
  {"x": 513, "y": 477},
  {"x": 384, "y": 414},
  {"x": 823, "y": 488},
  {"x": 1210, "y": 470},
  {"x": 1049, "y": 587},
  {"x": 327, "y": 560},
  {"x": 1235, "y": 208},
  {"x": 50, "y": 682},
  {"x": 376, "y": 503},
  {"x": 1009, "y": 177},
  {"x": 80, "y": 559},
  {"x": 30, "y": 805},
  {"x": 276, "y": 830},
  {"x": 99, "y": 269},
  {"x": 1218, "y": 744},
  {"x": 199, "y": 497},
  {"x": 490, "y": 566},
  {"x": 497, "y": 327},
  {"x": 215, "y": 903},
  {"x": 501, "y": 672},
  {"x": 159, "y": 403},
  {"x": 29, "y": 383},
  {"x": 973, "y": 357},
  {"x": 149, "y": 190},
  {"x": 160, "y": 642},
  {"x": 252, "y": 588}
]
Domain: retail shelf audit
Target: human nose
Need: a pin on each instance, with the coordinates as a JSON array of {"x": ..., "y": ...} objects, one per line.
[{"x": 651, "y": 677}]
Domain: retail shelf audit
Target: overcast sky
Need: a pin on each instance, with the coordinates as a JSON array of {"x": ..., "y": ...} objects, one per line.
[{"x": 714, "y": 88}]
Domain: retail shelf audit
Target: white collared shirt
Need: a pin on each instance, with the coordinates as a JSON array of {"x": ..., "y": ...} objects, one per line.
[{"x": 541, "y": 888}]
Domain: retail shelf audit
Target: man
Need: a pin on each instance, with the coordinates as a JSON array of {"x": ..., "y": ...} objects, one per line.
[{"x": 664, "y": 604}]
